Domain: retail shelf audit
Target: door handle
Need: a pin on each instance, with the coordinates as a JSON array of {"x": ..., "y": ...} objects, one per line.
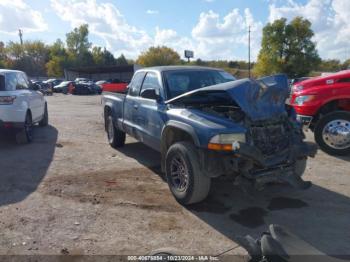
[{"x": 136, "y": 106}]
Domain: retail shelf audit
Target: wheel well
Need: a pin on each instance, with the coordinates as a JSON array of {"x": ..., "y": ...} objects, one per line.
[
  {"x": 107, "y": 112},
  {"x": 174, "y": 135},
  {"x": 339, "y": 104},
  {"x": 171, "y": 136}
]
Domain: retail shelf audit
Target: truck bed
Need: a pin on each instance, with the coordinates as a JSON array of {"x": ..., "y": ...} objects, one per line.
[{"x": 115, "y": 101}]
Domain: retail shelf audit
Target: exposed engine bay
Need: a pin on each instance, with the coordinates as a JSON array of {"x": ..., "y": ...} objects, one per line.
[{"x": 231, "y": 112}]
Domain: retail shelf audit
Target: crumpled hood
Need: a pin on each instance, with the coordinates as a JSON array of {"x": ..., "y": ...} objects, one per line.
[{"x": 260, "y": 99}]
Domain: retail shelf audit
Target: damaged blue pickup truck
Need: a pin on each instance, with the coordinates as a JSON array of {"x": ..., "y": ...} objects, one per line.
[{"x": 205, "y": 124}]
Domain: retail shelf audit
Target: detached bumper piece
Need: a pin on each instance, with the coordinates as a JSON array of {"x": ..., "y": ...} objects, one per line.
[
  {"x": 305, "y": 121},
  {"x": 279, "y": 174},
  {"x": 261, "y": 170}
]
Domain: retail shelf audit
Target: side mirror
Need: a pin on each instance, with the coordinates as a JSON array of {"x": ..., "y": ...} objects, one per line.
[
  {"x": 34, "y": 87},
  {"x": 149, "y": 94}
]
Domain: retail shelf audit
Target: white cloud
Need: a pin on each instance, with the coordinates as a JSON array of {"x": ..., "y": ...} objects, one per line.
[
  {"x": 16, "y": 14},
  {"x": 329, "y": 20},
  {"x": 222, "y": 38},
  {"x": 106, "y": 22},
  {"x": 152, "y": 12},
  {"x": 212, "y": 37}
]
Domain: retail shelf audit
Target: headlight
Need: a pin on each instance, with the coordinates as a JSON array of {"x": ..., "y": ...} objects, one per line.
[
  {"x": 297, "y": 88},
  {"x": 226, "y": 142},
  {"x": 300, "y": 100}
]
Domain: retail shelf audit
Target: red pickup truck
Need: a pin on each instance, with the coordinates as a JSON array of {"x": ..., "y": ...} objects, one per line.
[{"x": 323, "y": 104}]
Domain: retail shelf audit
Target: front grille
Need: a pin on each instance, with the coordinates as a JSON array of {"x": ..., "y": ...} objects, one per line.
[{"x": 271, "y": 138}]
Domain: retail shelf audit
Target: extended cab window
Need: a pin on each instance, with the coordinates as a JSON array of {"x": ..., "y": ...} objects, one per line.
[
  {"x": 151, "y": 82},
  {"x": 136, "y": 83}
]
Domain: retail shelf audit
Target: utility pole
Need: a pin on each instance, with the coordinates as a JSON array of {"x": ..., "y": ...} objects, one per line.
[
  {"x": 20, "y": 33},
  {"x": 249, "y": 51}
]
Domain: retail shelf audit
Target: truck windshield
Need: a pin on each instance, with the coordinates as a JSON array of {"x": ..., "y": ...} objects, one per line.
[{"x": 180, "y": 82}]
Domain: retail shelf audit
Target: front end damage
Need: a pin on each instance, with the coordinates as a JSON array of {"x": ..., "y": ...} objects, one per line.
[
  {"x": 274, "y": 152},
  {"x": 273, "y": 149}
]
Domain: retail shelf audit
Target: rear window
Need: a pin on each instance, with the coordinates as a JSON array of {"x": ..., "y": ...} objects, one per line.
[{"x": 9, "y": 82}]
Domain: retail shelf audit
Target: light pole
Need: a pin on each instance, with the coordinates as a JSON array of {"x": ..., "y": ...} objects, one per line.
[
  {"x": 249, "y": 51},
  {"x": 20, "y": 33}
]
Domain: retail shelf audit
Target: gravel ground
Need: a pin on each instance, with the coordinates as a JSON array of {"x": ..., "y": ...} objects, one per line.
[{"x": 70, "y": 193}]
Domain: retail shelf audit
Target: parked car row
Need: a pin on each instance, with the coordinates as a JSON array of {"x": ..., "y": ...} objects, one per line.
[{"x": 80, "y": 86}]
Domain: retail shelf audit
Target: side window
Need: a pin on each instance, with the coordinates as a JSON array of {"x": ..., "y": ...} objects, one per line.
[
  {"x": 135, "y": 85},
  {"x": 11, "y": 81},
  {"x": 151, "y": 82},
  {"x": 22, "y": 81}
]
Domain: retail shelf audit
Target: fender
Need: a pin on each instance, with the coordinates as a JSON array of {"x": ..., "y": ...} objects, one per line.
[
  {"x": 178, "y": 125},
  {"x": 182, "y": 126}
]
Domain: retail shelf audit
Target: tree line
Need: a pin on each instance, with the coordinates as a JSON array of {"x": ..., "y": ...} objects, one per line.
[
  {"x": 39, "y": 59},
  {"x": 285, "y": 48}
]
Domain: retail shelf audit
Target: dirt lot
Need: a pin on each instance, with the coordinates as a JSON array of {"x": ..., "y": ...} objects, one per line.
[{"x": 69, "y": 192}]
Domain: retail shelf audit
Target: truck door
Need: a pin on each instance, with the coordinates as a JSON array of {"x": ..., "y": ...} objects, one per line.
[
  {"x": 150, "y": 111},
  {"x": 131, "y": 105}
]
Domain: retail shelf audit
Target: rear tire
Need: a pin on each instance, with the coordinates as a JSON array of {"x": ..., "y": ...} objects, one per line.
[
  {"x": 45, "y": 120},
  {"x": 186, "y": 181},
  {"x": 330, "y": 133},
  {"x": 25, "y": 136},
  {"x": 116, "y": 138}
]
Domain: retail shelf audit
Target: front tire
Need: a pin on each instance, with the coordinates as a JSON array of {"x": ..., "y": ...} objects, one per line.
[
  {"x": 116, "y": 138},
  {"x": 186, "y": 181},
  {"x": 332, "y": 133}
]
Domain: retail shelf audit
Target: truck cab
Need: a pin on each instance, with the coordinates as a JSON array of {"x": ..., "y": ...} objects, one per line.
[
  {"x": 21, "y": 105},
  {"x": 323, "y": 105}
]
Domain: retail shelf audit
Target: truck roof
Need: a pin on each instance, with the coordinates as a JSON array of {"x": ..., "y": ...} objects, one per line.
[{"x": 172, "y": 68}]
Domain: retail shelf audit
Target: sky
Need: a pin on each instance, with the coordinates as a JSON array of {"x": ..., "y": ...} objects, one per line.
[{"x": 213, "y": 29}]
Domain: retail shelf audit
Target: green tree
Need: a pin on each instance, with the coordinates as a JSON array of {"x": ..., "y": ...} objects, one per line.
[
  {"x": 287, "y": 48},
  {"x": 78, "y": 47},
  {"x": 102, "y": 57},
  {"x": 30, "y": 57},
  {"x": 78, "y": 40},
  {"x": 2, "y": 54},
  {"x": 158, "y": 56},
  {"x": 346, "y": 64},
  {"x": 330, "y": 65},
  {"x": 58, "y": 59},
  {"x": 55, "y": 67},
  {"x": 121, "y": 60}
]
